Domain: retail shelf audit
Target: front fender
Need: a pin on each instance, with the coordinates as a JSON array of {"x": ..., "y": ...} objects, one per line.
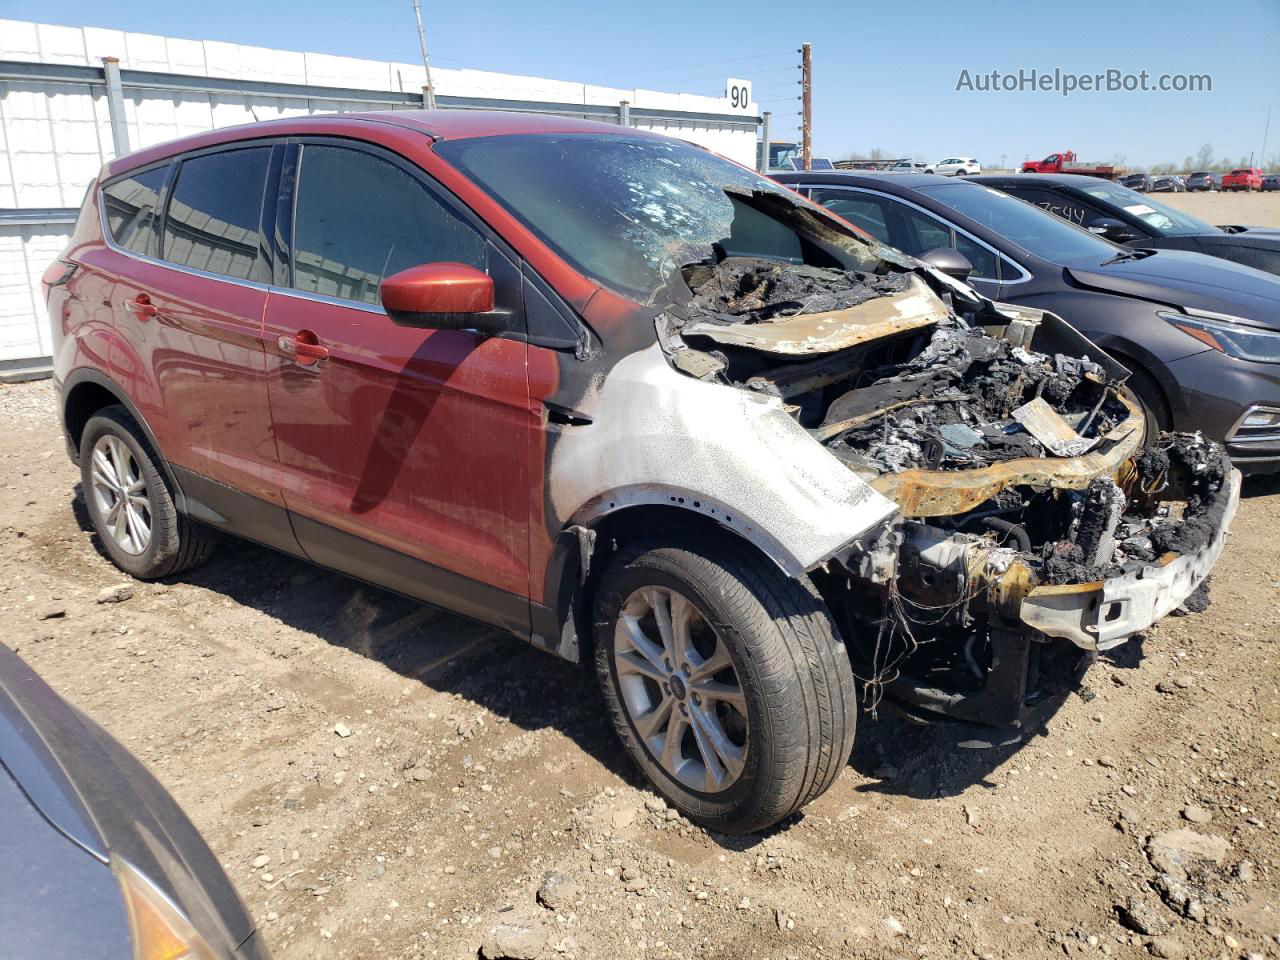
[{"x": 661, "y": 437}]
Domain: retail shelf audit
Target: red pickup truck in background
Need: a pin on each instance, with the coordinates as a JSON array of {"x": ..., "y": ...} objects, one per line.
[
  {"x": 1065, "y": 162},
  {"x": 1243, "y": 178}
]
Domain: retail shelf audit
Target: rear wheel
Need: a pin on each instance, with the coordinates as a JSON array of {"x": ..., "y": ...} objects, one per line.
[
  {"x": 724, "y": 680},
  {"x": 130, "y": 503}
]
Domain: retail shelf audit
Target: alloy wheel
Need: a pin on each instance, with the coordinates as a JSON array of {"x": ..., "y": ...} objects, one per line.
[
  {"x": 680, "y": 689},
  {"x": 120, "y": 495}
]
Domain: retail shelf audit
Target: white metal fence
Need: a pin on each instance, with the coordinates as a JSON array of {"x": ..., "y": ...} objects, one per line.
[{"x": 58, "y": 125}]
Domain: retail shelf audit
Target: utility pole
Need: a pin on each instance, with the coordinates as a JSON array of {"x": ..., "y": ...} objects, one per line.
[
  {"x": 1262, "y": 157},
  {"x": 806, "y": 109},
  {"x": 429, "y": 91}
]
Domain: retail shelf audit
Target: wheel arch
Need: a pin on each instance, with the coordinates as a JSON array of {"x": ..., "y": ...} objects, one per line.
[
  {"x": 584, "y": 546},
  {"x": 87, "y": 391},
  {"x": 1144, "y": 364}
]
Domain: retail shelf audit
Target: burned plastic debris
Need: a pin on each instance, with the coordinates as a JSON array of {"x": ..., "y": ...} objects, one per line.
[
  {"x": 961, "y": 393},
  {"x": 1014, "y": 459},
  {"x": 970, "y": 399},
  {"x": 1111, "y": 528},
  {"x": 755, "y": 290},
  {"x": 1184, "y": 466}
]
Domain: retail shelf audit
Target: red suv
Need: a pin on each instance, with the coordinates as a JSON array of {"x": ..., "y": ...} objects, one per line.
[
  {"x": 1245, "y": 178},
  {"x": 634, "y": 403}
]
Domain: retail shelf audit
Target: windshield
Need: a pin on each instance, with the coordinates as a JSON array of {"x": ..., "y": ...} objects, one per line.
[
  {"x": 1160, "y": 217},
  {"x": 782, "y": 154},
  {"x": 1037, "y": 231},
  {"x": 630, "y": 211}
]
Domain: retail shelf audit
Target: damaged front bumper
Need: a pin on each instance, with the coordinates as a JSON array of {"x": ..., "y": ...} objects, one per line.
[
  {"x": 984, "y": 634},
  {"x": 1104, "y": 614}
]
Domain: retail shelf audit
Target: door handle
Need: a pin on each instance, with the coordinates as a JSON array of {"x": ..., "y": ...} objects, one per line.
[
  {"x": 141, "y": 306},
  {"x": 304, "y": 347}
]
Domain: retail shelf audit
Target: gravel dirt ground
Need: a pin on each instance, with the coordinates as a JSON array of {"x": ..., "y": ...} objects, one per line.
[{"x": 382, "y": 779}]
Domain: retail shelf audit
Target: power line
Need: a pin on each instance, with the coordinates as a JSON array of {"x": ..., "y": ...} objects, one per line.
[
  {"x": 714, "y": 76},
  {"x": 704, "y": 63}
]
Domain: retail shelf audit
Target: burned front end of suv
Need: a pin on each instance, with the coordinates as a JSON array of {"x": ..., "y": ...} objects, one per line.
[
  {"x": 962, "y": 483},
  {"x": 1034, "y": 527}
]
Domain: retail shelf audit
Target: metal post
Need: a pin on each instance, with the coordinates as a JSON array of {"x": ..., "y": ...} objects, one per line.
[
  {"x": 115, "y": 105},
  {"x": 806, "y": 128},
  {"x": 763, "y": 160},
  {"x": 429, "y": 90},
  {"x": 624, "y": 112}
]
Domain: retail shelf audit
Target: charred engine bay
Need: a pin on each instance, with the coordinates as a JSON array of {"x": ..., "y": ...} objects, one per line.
[
  {"x": 760, "y": 290},
  {"x": 964, "y": 390},
  {"x": 947, "y": 395}
]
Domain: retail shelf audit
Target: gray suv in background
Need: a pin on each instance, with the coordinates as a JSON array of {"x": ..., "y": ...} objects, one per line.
[
  {"x": 1140, "y": 220},
  {"x": 1201, "y": 335}
]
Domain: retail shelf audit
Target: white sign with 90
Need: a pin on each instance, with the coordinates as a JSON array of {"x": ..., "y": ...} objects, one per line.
[{"x": 738, "y": 93}]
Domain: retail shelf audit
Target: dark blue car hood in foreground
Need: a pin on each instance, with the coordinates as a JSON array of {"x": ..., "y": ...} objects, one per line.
[
  {"x": 1191, "y": 281},
  {"x": 99, "y": 797},
  {"x": 57, "y": 900}
]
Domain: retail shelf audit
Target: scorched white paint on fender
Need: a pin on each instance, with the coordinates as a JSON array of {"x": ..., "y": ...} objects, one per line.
[{"x": 658, "y": 434}]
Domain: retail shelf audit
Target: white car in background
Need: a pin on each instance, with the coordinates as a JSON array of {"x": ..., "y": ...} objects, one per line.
[{"x": 955, "y": 167}]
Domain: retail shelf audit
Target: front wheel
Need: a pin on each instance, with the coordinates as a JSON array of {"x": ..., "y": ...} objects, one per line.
[
  {"x": 724, "y": 680},
  {"x": 1142, "y": 390}
]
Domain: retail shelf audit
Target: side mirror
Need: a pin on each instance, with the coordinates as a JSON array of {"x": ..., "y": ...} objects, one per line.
[
  {"x": 1115, "y": 230},
  {"x": 949, "y": 261},
  {"x": 441, "y": 296}
]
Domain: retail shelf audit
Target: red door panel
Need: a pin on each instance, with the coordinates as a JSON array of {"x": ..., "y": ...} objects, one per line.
[
  {"x": 417, "y": 440},
  {"x": 189, "y": 352}
]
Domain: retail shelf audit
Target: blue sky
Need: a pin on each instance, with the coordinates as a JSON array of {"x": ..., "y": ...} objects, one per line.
[{"x": 885, "y": 72}]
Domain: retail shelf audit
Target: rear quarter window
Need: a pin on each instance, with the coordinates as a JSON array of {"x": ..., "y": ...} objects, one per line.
[{"x": 130, "y": 205}]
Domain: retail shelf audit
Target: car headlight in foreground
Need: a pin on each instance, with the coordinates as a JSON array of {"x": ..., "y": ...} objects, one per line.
[
  {"x": 160, "y": 931},
  {"x": 1228, "y": 335}
]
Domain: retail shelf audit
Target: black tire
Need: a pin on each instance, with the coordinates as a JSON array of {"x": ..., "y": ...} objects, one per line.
[
  {"x": 1142, "y": 389},
  {"x": 175, "y": 543},
  {"x": 794, "y": 673}
]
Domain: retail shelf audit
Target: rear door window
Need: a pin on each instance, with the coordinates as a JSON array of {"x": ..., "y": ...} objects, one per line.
[
  {"x": 864, "y": 212},
  {"x": 360, "y": 218},
  {"x": 215, "y": 207},
  {"x": 131, "y": 203}
]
